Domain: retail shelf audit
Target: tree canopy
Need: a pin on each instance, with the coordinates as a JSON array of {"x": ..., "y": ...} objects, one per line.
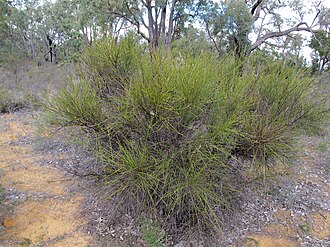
[{"x": 59, "y": 30}]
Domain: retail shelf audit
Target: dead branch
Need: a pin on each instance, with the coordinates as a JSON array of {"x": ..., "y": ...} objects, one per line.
[{"x": 296, "y": 28}]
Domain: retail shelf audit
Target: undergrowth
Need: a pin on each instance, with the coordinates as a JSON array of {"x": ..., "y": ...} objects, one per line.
[
  {"x": 9, "y": 102},
  {"x": 25, "y": 85},
  {"x": 181, "y": 135},
  {"x": 153, "y": 234}
]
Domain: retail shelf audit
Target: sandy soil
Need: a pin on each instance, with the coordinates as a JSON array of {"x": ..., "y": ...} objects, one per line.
[
  {"x": 305, "y": 221},
  {"x": 41, "y": 208}
]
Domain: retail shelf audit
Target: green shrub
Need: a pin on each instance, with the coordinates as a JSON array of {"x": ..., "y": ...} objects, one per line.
[
  {"x": 284, "y": 103},
  {"x": 176, "y": 133},
  {"x": 323, "y": 146},
  {"x": 9, "y": 102},
  {"x": 110, "y": 64},
  {"x": 153, "y": 235},
  {"x": 78, "y": 104}
]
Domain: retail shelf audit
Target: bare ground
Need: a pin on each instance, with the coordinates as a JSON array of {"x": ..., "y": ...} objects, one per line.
[{"x": 42, "y": 204}]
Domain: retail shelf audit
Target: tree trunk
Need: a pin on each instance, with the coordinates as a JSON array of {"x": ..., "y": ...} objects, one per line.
[
  {"x": 54, "y": 54},
  {"x": 162, "y": 29},
  {"x": 50, "y": 47},
  {"x": 171, "y": 25},
  {"x": 151, "y": 23},
  {"x": 323, "y": 62},
  {"x": 85, "y": 35}
]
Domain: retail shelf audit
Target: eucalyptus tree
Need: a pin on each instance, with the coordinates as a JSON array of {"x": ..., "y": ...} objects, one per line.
[
  {"x": 321, "y": 45},
  {"x": 8, "y": 48},
  {"x": 96, "y": 19},
  {"x": 5, "y": 10},
  {"x": 228, "y": 24},
  {"x": 244, "y": 26},
  {"x": 192, "y": 40},
  {"x": 61, "y": 29},
  {"x": 53, "y": 29},
  {"x": 24, "y": 21},
  {"x": 159, "y": 22},
  {"x": 320, "y": 42}
]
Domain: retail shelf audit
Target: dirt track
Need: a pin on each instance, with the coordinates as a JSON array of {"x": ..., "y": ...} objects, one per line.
[{"x": 41, "y": 208}]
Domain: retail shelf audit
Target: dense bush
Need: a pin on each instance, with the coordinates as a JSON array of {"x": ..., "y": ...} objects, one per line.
[{"x": 176, "y": 133}]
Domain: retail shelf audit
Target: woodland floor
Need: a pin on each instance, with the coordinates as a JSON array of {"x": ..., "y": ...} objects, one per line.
[{"x": 42, "y": 204}]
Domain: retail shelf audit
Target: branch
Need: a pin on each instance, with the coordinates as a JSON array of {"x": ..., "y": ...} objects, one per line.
[
  {"x": 144, "y": 3},
  {"x": 317, "y": 14},
  {"x": 272, "y": 44},
  {"x": 257, "y": 13},
  {"x": 193, "y": 15},
  {"x": 255, "y": 6},
  {"x": 171, "y": 22},
  {"x": 135, "y": 22},
  {"x": 212, "y": 39},
  {"x": 199, "y": 5},
  {"x": 297, "y": 28}
]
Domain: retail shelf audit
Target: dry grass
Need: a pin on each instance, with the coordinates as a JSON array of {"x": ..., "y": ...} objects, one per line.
[{"x": 26, "y": 85}]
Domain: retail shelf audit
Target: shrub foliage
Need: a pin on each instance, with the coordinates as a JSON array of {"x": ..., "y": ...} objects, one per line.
[
  {"x": 9, "y": 102},
  {"x": 176, "y": 133}
]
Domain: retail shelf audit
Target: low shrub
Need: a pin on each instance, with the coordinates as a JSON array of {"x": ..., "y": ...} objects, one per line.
[
  {"x": 28, "y": 85},
  {"x": 176, "y": 133},
  {"x": 9, "y": 102},
  {"x": 153, "y": 234}
]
